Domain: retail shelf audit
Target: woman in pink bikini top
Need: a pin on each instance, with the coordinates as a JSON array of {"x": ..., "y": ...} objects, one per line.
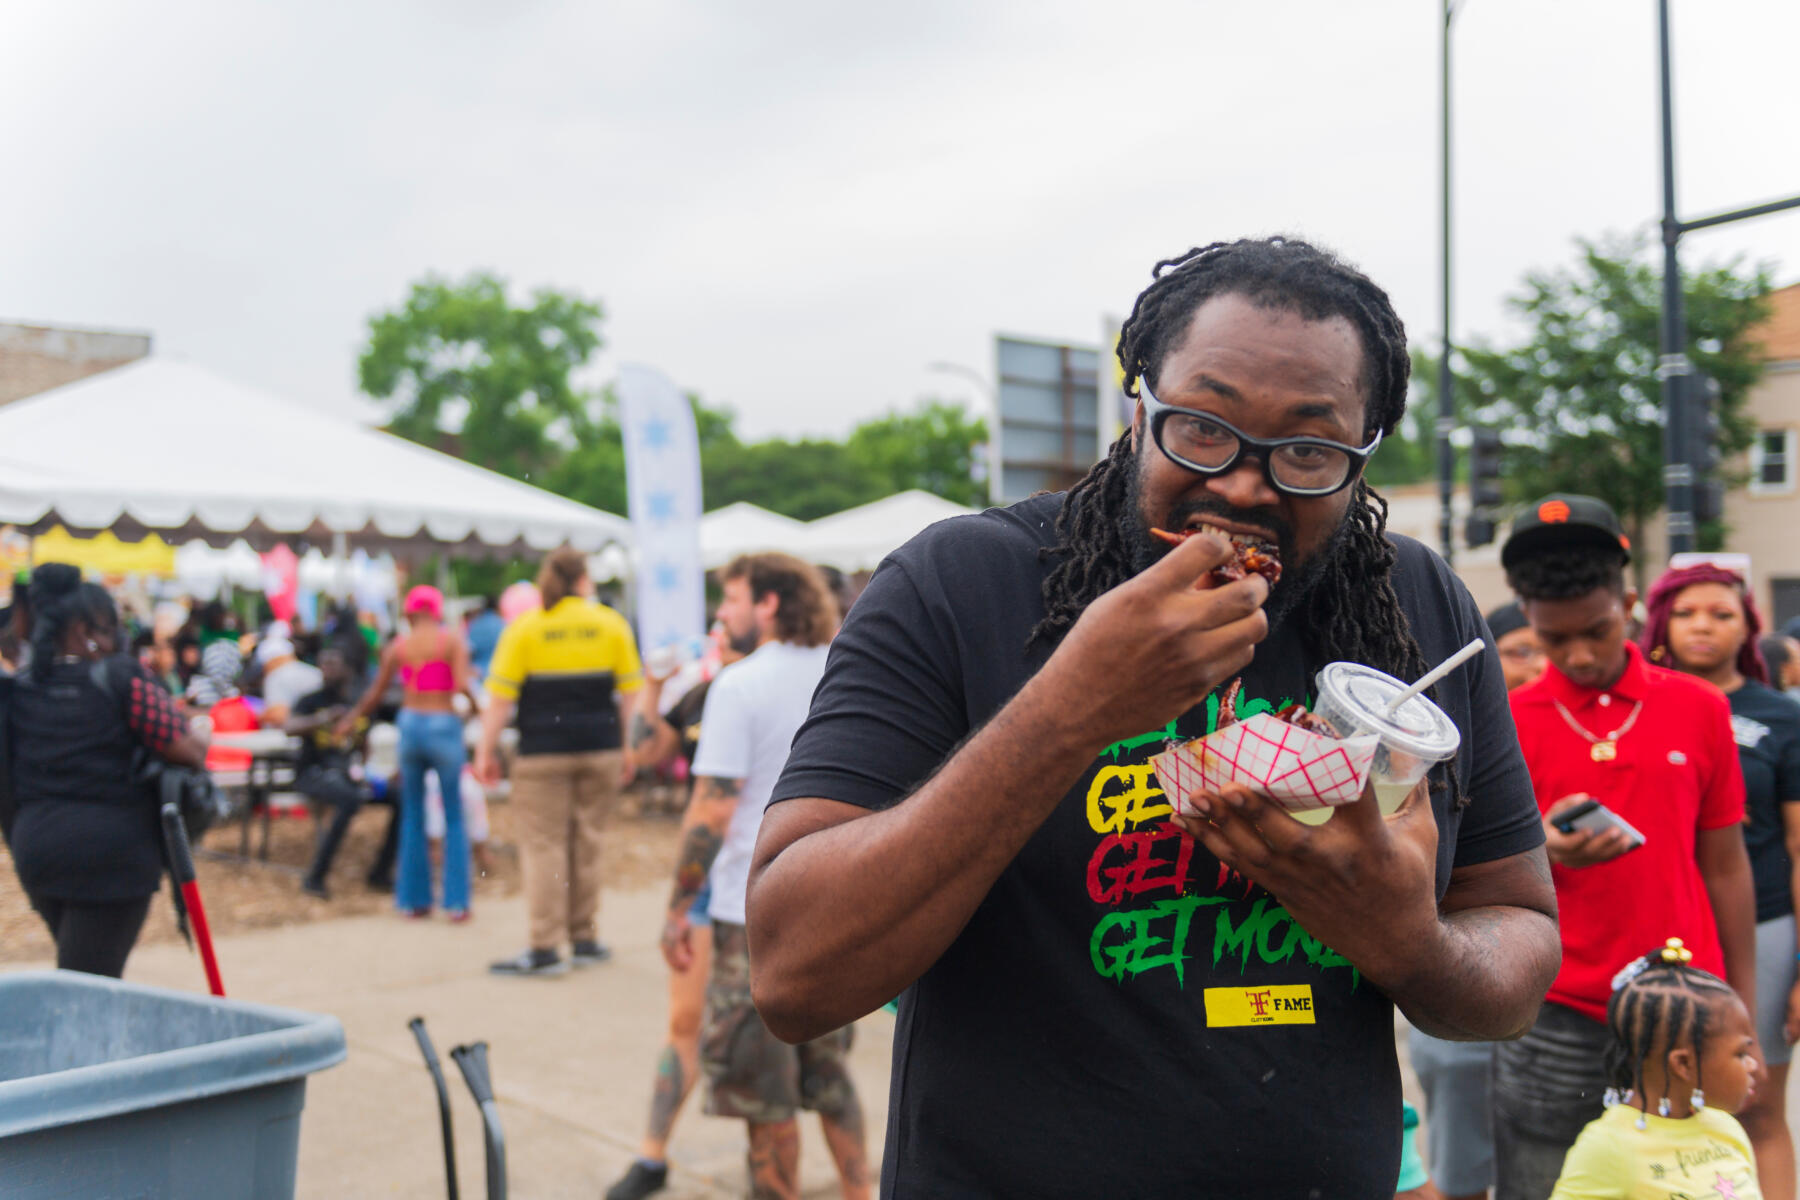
[
  {"x": 433, "y": 664},
  {"x": 431, "y": 661}
]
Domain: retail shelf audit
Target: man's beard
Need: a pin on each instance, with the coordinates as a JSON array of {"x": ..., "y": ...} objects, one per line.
[
  {"x": 1297, "y": 584},
  {"x": 746, "y": 642}
]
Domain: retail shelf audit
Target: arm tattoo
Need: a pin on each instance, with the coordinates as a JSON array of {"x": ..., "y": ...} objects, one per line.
[
  {"x": 718, "y": 787},
  {"x": 698, "y": 850}
]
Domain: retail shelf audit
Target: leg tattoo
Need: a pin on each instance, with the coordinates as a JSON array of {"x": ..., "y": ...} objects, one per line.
[
  {"x": 775, "y": 1161},
  {"x": 672, "y": 1085}
]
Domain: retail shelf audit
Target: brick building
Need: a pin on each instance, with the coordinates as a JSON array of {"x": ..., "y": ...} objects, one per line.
[
  {"x": 36, "y": 358},
  {"x": 1764, "y": 514}
]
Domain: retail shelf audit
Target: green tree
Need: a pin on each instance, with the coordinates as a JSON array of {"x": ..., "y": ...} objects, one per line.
[
  {"x": 1578, "y": 400},
  {"x": 1409, "y": 455},
  {"x": 463, "y": 369},
  {"x": 802, "y": 479},
  {"x": 593, "y": 470},
  {"x": 935, "y": 448}
]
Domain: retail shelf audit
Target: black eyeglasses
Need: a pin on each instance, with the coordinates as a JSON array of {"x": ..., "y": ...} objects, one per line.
[{"x": 1206, "y": 445}]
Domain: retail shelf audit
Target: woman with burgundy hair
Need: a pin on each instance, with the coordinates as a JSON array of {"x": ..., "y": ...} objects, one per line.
[{"x": 1703, "y": 621}]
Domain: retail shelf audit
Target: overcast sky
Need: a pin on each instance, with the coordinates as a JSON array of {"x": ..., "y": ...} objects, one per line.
[{"x": 794, "y": 208}]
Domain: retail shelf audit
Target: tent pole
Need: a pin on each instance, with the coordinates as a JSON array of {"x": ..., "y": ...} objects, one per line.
[{"x": 340, "y": 563}]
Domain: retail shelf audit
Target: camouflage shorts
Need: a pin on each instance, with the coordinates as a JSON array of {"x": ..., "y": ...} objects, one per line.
[{"x": 751, "y": 1074}]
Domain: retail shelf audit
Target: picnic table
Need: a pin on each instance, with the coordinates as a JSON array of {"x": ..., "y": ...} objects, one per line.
[{"x": 271, "y": 751}]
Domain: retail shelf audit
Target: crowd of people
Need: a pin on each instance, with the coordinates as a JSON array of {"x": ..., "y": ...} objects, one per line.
[
  {"x": 566, "y": 676},
  {"x": 943, "y": 798}
]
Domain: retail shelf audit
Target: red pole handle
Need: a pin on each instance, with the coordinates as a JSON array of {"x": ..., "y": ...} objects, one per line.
[
  {"x": 190, "y": 892},
  {"x": 181, "y": 863}
]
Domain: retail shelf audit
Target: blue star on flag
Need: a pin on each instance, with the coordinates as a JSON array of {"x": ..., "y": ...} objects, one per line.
[
  {"x": 656, "y": 433},
  {"x": 668, "y": 579},
  {"x": 661, "y": 505}
]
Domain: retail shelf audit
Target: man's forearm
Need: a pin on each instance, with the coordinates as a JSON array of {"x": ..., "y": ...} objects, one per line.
[
  {"x": 1732, "y": 891},
  {"x": 847, "y": 917},
  {"x": 1488, "y": 978},
  {"x": 703, "y": 829},
  {"x": 494, "y": 718}
]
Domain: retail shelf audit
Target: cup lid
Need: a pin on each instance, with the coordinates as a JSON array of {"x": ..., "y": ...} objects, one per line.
[{"x": 1419, "y": 727}]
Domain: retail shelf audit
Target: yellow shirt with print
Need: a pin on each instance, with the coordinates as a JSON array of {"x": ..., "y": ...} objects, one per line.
[
  {"x": 1705, "y": 1155},
  {"x": 562, "y": 666}
]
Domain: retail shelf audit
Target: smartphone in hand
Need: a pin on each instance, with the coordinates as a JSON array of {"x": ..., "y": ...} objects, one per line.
[{"x": 1595, "y": 817}]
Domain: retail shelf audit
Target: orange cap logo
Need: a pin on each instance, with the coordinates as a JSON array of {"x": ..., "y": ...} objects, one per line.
[{"x": 1553, "y": 512}]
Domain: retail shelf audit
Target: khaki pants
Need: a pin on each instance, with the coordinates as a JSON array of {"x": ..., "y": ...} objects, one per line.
[{"x": 563, "y": 802}]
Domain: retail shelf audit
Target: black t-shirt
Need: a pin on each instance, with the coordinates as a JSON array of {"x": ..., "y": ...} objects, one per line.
[
  {"x": 684, "y": 718},
  {"x": 1767, "y": 727},
  {"x": 322, "y": 747},
  {"x": 1061, "y": 1045}
]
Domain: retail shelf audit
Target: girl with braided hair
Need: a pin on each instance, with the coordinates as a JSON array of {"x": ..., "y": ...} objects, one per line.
[
  {"x": 1702, "y": 621},
  {"x": 1682, "y": 1061},
  {"x": 1099, "y": 997}
]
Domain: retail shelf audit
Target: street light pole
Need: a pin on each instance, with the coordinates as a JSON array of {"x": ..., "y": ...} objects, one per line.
[
  {"x": 1446, "y": 413},
  {"x": 1673, "y": 368}
]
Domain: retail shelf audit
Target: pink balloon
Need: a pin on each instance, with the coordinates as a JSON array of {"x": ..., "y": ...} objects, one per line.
[{"x": 519, "y": 599}]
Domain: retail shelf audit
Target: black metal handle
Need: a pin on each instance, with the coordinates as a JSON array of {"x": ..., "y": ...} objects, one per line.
[
  {"x": 417, "y": 1025},
  {"x": 472, "y": 1061},
  {"x": 181, "y": 857}
]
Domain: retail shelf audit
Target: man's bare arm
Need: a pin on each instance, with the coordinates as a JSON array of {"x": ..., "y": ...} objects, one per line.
[
  {"x": 1499, "y": 953},
  {"x": 1725, "y": 869},
  {"x": 703, "y": 829},
  {"x": 848, "y": 907}
]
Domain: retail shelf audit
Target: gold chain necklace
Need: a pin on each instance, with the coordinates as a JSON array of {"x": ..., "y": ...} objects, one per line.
[{"x": 1601, "y": 749}]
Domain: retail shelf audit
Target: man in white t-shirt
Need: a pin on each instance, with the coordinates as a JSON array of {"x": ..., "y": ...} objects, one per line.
[
  {"x": 285, "y": 679},
  {"x": 780, "y": 611}
]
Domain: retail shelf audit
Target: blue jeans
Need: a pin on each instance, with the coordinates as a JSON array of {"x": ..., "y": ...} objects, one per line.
[{"x": 431, "y": 741}]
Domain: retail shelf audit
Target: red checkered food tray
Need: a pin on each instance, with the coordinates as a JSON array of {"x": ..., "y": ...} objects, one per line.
[{"x": 1300, "y": 769}]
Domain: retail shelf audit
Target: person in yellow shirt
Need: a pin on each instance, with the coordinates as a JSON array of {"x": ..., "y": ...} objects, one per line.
[
  {"x": 1683, "y": 1060},
  {"x": 567, "y": 671}
]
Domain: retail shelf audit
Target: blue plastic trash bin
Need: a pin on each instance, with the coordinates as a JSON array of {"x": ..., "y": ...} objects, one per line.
[{"x": 112, "y": 1090}]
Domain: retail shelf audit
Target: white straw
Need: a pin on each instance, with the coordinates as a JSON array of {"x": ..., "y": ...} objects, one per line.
[{"x": 1436, "y": 673}]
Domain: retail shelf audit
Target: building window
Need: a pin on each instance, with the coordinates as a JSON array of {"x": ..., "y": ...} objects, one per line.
[{"x": 1772, "y": 462}]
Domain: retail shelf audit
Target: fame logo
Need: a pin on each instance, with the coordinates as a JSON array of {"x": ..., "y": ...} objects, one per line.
[
  {"x": 1553, "y": 512},
  {"x": 1286, "y": 1004}
]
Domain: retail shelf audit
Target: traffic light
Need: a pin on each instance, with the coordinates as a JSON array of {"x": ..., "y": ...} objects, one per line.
[
  {"x": 1703, "y": 448},
  {"x": 1484, "y": 486}
]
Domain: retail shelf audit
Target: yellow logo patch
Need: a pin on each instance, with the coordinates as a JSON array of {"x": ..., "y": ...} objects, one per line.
[{"x": 1287, "y": 1005}]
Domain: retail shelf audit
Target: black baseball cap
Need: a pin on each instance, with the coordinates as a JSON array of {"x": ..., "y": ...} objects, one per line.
[{"x": 1561, "y": 521}]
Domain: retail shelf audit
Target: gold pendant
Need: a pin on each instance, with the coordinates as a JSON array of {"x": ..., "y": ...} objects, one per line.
[{"x": 1604, "y": 751}]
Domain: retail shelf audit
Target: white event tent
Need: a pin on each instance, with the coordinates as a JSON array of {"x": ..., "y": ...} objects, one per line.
[
  {"x": 857, "y": 539},
  {"x": 168, "y": 447},
  {"x": 745, "y": 528}
]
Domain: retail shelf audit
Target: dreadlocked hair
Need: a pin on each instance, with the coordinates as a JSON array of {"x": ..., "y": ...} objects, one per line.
[
  {"x": 1660, "y": 1005},
  {"x": 1353, "y": 614}
]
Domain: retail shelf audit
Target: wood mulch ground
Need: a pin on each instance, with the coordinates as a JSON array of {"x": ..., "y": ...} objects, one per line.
[{"x": 639, "y": 851}]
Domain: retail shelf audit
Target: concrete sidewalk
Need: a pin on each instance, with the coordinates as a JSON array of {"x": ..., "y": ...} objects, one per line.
[{"x": 572, "y": 1056}]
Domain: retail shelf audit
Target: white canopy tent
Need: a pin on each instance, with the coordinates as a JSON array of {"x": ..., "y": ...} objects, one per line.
[
  {"x": 204, "y": 571},
  {"x": 745, "y": 528},
  {"x": 857, "y": 539},
  {"x": 169, "y": 447}
]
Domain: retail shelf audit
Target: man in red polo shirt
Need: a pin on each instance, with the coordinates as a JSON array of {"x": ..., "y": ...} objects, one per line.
[{"x": 1656, "y": 748}]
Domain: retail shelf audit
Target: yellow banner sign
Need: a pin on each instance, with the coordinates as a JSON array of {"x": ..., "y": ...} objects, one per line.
[{"x": 1287, "y": 1005}]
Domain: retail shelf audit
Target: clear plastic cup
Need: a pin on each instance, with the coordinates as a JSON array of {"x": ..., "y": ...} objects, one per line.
[{"x": 1354, "y": 700}]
